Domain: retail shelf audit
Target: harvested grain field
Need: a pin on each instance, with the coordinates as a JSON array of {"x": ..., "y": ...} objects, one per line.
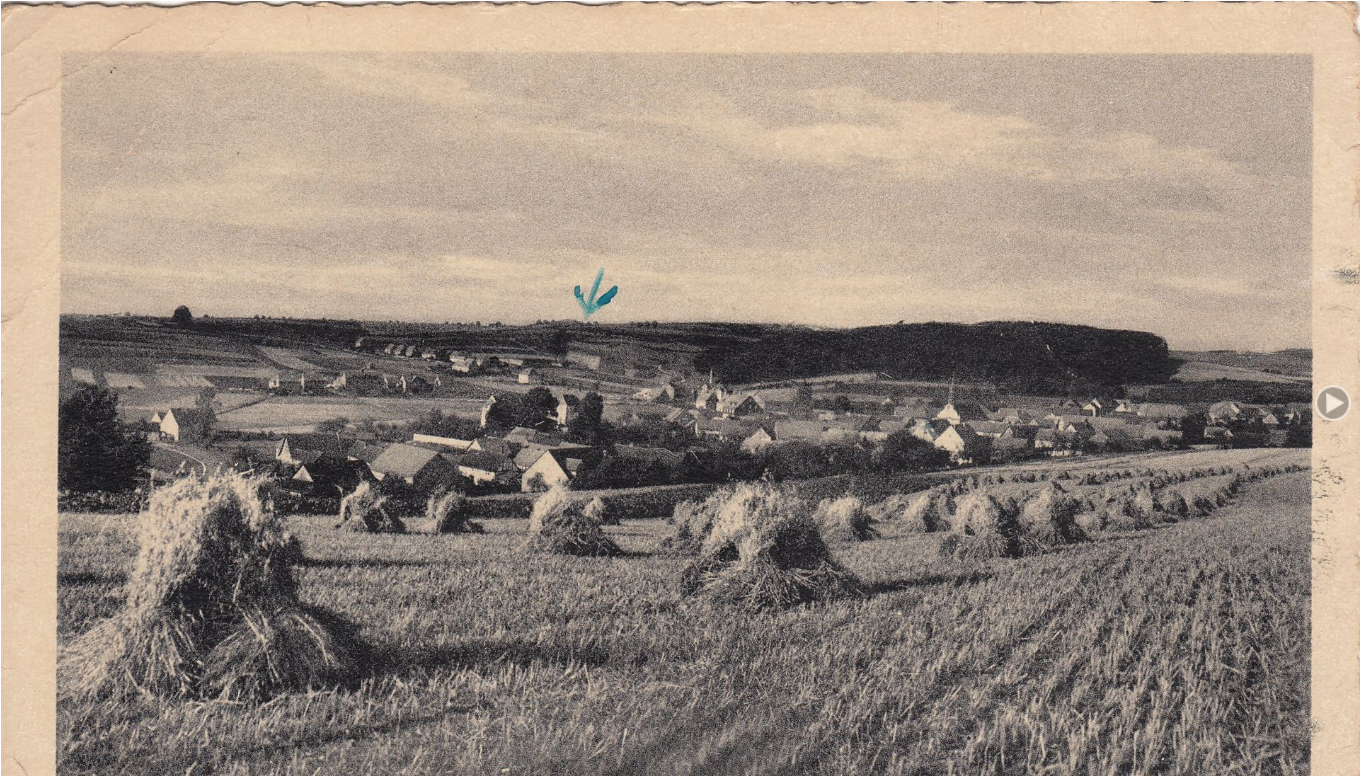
[
  {"x": 299, "y": 414},
  {"x": 1180, "y": 649}
]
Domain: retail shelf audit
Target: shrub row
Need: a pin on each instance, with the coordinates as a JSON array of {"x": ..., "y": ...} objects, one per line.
[{"x": 102, "y": 501}]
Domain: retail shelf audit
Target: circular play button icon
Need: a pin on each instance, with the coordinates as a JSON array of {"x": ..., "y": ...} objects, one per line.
[{"x": 1332, "y": 403}]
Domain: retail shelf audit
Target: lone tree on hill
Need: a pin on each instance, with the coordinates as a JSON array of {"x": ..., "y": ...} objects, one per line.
[
  {"x": 182, "y": 315},
  {"x": 94, "y": 452}
]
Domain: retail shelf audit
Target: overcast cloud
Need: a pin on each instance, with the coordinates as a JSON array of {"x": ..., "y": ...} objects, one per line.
[{"x": 1169, "y": 194}]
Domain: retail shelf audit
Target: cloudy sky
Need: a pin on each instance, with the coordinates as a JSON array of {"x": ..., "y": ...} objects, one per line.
[{"x": 1168, "y": 194}]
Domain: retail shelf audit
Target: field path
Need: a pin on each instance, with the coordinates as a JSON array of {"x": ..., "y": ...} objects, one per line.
[{"x": 183, "y": 454}]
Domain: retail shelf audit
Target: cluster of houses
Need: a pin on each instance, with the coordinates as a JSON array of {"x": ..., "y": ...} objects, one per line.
[
  {"x": 523, "y": 459},
  {"x": 965, "y": 429},
  {"x": 594, "y": 358},
  {"x": 527, "y": 459},
  {"x": 530, "y": 460}
]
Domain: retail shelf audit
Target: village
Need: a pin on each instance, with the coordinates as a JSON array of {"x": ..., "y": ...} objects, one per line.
[{"x": 590, "y": 419}]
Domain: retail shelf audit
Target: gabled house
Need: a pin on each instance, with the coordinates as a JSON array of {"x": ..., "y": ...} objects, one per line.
[
  {"x": 680, "y": 416},
  {"x": 420, "y": 468},
  {"x": 186, "y": 424},
  {"x": 528, "y": 455},
  {"x": 989, "y": 428},
  {"x": 1096, "y": 407},
  {"x": 462, "y": 365},
  {"x": 1025, "y": 431},
  {"x": 521, "y": 435},
  {"x": 1010, "y": 414},
  {"x": 1225, "y": 411},
  {"x": 956, "y": 412},
  {"x": 662, "y": 394},
  {"x": 960, "y": 441},
  {"x": 1009, "y": 447},
  {"x": 330, "y": 475},
  {"x": 761, "y": 438},
  {"x": 364, "y": 451},
  {"x": 1218, "y": 434},
  {"x": 1074, "y": 423},
  {"x": 740, "y": 405},
  {"x": 484, "y": 468},
  {"x": 491, "y": 444},
  {"x": 564, "y": 409},
  {"x": 709, "y": 397},
  {"x": 1267, "y": 417},
  {"x": 429, "y": 354},
  {"x": 554, "y": 467},
  {"x": 723, "y": 428},
  {"x": 927, "y": 430},
  {"x": 528, "y": 376},
  {"x": 1056, "y": 442},
  {"x": 291, "y": 447}
]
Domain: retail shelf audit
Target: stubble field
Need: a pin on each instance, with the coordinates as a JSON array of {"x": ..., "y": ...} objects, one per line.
[{"x": 1181, "y": 649}]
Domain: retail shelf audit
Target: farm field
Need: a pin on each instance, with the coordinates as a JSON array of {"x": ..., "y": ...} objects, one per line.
[
  {"x": 299, "y": 414},
  {"x": 1181, "y": 649},
  {"x": 1197, "y": 371}
]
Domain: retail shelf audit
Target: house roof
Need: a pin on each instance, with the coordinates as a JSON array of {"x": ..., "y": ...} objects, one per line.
[
  {"x": 734, "y": 401},
  {"x": 761, "y": 429},
  {"x": 521, "y": 435},
  {"x": 327, "y": 468},
  {"x": 568, "y": 461},
  {"x": 798, "y": 429},
  {"x": 1021, "y": 430},
  {"x": 529, "y": 455},
  {"x": 320, "y": 442},
  {"x": 1010, "y": 443},
  {"x": 491, "y": 444},
  {"x": 403, "y": 460},
  {"x": 364, "y": 451},
  {"x": 966, "y": 410},
  {"x": 486, "y": 461},
  {"x": 988, "y": 427},
  {"x": 856, "y": 422}
]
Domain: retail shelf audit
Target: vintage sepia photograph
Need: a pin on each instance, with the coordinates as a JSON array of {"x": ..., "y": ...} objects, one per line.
[{"x": 667, "y": 412}]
